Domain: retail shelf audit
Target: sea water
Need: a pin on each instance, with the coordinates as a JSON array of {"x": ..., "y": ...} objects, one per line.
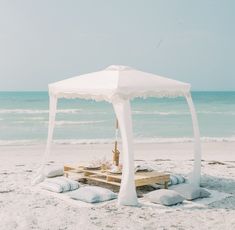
[{"x": 24, "y": 119}]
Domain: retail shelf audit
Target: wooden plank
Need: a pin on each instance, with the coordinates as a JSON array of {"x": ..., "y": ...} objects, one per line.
[
  {"x": 166, "y": 184},
  {"x": 87, "y": 173},
  {"x": 97, "y": 172},
  {"x": 74, "y": 176},
  {"x": 67, "y": 168},
  {"x": 103, "y": 180},
  {"x": 147, "y": 181},
  {"x": 73, "y": 167},
  {"x": 117, "y": 180}
]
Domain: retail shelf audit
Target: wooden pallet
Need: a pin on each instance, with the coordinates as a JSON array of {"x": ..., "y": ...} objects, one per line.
[{"x": 141, "y": 178}]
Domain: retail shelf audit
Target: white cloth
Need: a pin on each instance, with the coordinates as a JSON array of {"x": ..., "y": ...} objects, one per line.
[
  {"x": 117, "y": 82},
  {"x": 127, "y": 194}
]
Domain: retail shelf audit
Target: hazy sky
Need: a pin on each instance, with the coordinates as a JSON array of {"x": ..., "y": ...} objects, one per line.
[{"x": 43, "y": 41}]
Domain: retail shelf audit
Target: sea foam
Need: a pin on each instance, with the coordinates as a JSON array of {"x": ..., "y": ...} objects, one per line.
[
  {"x": 35, "y": 111},
  {"x": 109, "y": 141}
]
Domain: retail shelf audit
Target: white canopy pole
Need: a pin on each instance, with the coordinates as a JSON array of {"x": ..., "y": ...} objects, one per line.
[
  {"x": 127, "y": 194},
  {"x": 196, "y": 174},
  {"x": 52, "y": 113}
]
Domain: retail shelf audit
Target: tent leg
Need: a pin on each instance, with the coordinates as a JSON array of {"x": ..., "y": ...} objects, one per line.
[
  {"x": 127, "y": 194},
  {"x": 196, "y": 174},
  {"x": 52, "y": 113}
]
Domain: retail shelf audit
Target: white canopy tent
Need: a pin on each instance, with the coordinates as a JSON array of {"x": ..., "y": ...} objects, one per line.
[{"x": 118, "y": 85}]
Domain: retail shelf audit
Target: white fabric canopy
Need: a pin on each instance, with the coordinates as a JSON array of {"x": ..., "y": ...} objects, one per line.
[
  {"x": 118, "y": 85},
  {"x": 117, "y": 82}
]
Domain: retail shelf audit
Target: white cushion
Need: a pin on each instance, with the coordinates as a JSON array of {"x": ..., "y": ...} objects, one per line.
[
  {"x": 180, "y": 179},
  {"x": 60, "y": 181},
  {"x": 59, "y": 184},
  {"x": 190, "y": 192},
  {"x": 47, "y": 185},
  {"x": 93, "y": 194},
  {"x": 176, "y": 179},
  {"x": 165, "y": 197},
  {"x": 173, "y": 180},
  {"x": 73, "y": 184},
  {"x": 204, "y": 193},
  {"x": 54, "y": 171}
]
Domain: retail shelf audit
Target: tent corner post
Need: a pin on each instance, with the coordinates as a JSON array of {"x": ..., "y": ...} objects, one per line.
[
  {"x": 195, "y": 177},
  {"x": 127, "y": 194},
  {"x": 52, "y": 114}
]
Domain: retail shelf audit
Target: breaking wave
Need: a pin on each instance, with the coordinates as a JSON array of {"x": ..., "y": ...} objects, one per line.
[
  {"x": 61, "y": 123},
  {"x": 32, "y": 111},
  {"x": 109, "y": 141},
  {"x": 139, "y": 112},
  {"x": 135, "y": 112}
]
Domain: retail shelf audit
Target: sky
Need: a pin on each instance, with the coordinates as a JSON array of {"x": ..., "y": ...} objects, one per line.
[{"x": 44, "y": 41}]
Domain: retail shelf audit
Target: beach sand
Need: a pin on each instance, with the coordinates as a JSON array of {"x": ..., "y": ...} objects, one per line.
[{"x": 23, "y": 208}]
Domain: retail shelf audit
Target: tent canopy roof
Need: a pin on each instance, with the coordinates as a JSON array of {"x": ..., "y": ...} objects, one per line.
[{"x": 118, "y": 82}]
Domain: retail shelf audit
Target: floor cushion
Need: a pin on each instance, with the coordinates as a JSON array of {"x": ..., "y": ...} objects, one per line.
[
  {"x": 59, "y": 184},
  {"x": 165, "y": 197},
  {"x": 54, "y": 171},
  {"x": 190, "y": 192},
  {"x": 53, "y": 187},
  {"x": 93, "y": 194}
]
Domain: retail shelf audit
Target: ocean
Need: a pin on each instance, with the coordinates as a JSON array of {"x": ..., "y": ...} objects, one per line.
[{"x": 24, "y": 119}]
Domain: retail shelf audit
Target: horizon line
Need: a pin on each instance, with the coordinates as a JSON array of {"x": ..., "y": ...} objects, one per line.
[{"x": 43, "y": 91}]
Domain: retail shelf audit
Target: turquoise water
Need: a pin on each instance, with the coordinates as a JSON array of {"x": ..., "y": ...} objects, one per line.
[{"x": 24, "y": 118}]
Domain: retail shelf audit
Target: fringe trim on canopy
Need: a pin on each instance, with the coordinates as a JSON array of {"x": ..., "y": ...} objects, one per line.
[{"x": 116, "y": 96}]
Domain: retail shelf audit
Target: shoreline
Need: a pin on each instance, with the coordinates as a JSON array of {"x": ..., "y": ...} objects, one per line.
[
  {"x": 223, "y": 151},
  {"x": 160, "y": 140}
]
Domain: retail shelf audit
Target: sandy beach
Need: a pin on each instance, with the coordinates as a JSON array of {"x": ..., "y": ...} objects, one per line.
[
  {"x": 82, "y": 80},
  {"x": 23, "y": 208}
]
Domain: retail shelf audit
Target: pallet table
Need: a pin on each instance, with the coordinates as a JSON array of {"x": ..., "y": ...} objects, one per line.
[{"x": 141, "y": 178}]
